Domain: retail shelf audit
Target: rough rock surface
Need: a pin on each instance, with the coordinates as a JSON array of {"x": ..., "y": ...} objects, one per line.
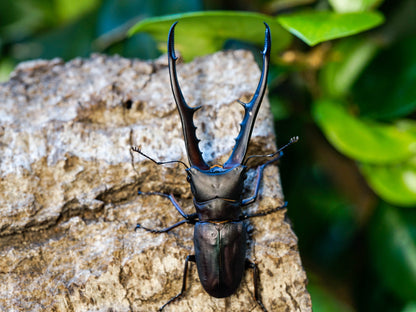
[{"x": 68, "y": 187}]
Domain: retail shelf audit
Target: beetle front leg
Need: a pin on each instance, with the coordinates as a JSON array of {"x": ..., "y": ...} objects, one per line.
[
  {"x": 139, "y": 226},
  {"x": 252, "y": 265},
  {"x": 185, "y": 274},
  {"x": 189, "y": 218}
]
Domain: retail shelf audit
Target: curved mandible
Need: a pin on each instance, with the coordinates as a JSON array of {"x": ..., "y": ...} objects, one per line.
[
  {"x": 251, "y": 109},
  {"x": 186, "y": 112}
]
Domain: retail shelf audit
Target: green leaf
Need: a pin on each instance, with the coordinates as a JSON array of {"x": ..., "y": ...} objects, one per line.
[
  {"x": 393, "y": 250},
  {"x": 347, "y": 60},
  {"x": 314, "y": 27},
  {"x": 325, "y": 301},
  {"x": 343, "y": 6},
  {"x": 201, "y": 33},
  {"x": 394, "y": 183},
  {"x": 363, "y": 140},
  {"x": 386, "y": 89}
]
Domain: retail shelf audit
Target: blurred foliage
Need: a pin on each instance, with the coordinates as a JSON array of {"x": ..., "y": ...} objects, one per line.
[
  {"x": 343, "y": 78},
  {"x": 206, "y": 32}
]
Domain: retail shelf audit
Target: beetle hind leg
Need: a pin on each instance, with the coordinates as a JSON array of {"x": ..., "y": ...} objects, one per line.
[
  {"x": 185, "y": 274},
  {"x": 252, "y": 265}
]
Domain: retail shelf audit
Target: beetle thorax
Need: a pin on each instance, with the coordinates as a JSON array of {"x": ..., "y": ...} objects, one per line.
[{"x": 217, "y": 192}]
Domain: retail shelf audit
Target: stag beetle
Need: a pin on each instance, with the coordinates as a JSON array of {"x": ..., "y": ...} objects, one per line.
[{"x": 220, "y": 232}]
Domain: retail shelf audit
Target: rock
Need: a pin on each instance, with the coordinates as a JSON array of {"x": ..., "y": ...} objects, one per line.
[{"x": 69, "y": 181}]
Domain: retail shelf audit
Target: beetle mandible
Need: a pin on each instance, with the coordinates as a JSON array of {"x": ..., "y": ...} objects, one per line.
[{"x": 220, "y": 230}]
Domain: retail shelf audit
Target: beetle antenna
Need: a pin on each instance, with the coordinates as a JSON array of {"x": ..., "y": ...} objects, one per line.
[
  {"x": 138, "y": 150},
  {"x": 291, "y": 141}
]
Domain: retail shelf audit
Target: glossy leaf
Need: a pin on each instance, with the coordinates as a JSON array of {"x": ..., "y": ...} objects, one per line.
[
  {"x": 347, "y": 60},
  {"x": 343, "y": 6},
  {"x": 394, "y": 183},
  {"x": 366, "y": 141},
  {"x": 393, "y": 249},
  {"x": 202, "y": 33},
  {"x": 314, "y": 27}
]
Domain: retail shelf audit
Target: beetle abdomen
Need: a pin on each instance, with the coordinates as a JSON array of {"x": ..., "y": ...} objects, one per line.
[{"x": 220, "y": 252}]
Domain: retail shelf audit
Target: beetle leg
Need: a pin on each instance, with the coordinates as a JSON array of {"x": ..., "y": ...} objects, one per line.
[
  {"x": 260, "y": 170},
  {"x": 173, "y": 201},
  {"x": 252, "y": 265},
  {"x": 185, "y": 274},
  {"x": 139, "y": 226},
  {"x": 263, "y": 213},
  {"x": 189, "y": 218}
]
